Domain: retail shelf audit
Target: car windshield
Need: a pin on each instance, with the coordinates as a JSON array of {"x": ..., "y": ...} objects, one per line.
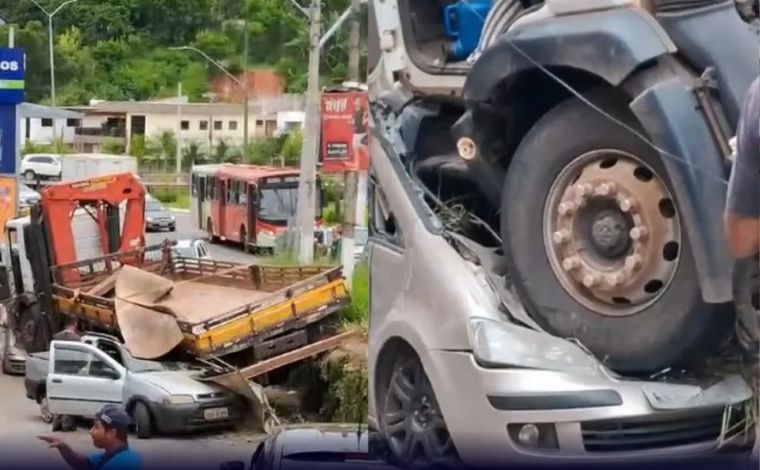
[{"x": 154, "y": 206}]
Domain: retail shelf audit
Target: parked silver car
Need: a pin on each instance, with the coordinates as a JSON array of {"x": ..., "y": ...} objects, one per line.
[
  {"x": 458, "y": 368},
  {"x": 77, "y": 378}
]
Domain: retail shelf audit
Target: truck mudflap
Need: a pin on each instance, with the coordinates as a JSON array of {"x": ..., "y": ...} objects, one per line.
[{"x": 670, "y": 116}]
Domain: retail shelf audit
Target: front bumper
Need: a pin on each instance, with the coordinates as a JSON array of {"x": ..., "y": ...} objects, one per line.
[
  {"x": 188, "y": 418},
  {"x": 14, "y": 364},
  {"x": 593, "y": 418},
  {"x": 160, "y": 225}
]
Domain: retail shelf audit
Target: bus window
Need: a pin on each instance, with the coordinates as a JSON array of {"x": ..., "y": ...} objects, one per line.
[
  {"x": 243, "y": 194},
  {"x": 210, "y": 188}
]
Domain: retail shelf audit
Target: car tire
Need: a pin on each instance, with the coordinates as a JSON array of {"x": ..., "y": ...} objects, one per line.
[
  {"x": 670, "y": 327},
  {"x": 142, "y": 421},
  {"x": 410, "y": 407}
]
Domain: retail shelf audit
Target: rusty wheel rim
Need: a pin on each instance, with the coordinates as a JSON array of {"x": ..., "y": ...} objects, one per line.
[{"x": 612, "y": 233}]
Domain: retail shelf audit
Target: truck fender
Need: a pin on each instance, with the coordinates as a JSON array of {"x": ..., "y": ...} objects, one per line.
[
  {"x": 631, "y": 38},
  {"x": 669, "y": 113}
]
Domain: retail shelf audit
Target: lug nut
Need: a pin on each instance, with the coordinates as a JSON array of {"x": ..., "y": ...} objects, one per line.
[
  {"x": 566, "y": 208},
  {"x": 612, "y": 280},
  {"x": 590, "y": 280},
  {"x": 568, "y": 264},
  {"x": 627, "y": 204},
  {"x": 561, "y": 236},
  {"x": 583, "y": 190},
  {"x": 633, "y": 262},
  {"x": 605, "y": 189},
  {"x": 638, "y": 233}
]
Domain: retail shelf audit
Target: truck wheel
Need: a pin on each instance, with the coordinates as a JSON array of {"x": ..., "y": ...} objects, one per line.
[
  {"x": 595, "y": 244},
  {"x": 142, "y": 420},
  {"x": 410, "y": 418}
]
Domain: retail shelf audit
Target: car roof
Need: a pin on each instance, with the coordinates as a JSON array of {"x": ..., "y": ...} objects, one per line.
[{"x": 316, "y": 438}]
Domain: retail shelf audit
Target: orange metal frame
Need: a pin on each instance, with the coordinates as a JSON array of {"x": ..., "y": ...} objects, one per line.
[{"x": 59, "y": 201}]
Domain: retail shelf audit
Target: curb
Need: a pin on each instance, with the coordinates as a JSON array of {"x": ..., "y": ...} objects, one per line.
[{"x": 180, "y": 211}]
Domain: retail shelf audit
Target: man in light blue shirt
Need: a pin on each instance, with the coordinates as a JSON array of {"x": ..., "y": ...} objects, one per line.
[{"x": 109, "y": 432}]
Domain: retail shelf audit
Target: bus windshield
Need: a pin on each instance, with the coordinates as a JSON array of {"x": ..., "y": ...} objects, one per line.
[{"x": 278, "y": 204}]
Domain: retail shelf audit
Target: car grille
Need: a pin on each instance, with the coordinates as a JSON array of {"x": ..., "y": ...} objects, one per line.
[{"x": 653, "y": 433}]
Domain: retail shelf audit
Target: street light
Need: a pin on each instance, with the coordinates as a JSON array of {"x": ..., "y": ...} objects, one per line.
[
  {"x": 50, "y": 16},
  {"x": 243, "y": 85}
]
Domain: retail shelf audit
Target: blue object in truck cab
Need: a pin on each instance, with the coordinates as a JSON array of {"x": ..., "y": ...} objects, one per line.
[{"x": 463, "y": 22}]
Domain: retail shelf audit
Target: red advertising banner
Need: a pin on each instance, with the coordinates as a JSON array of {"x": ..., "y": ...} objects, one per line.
[{"x": 345, "y": 125}]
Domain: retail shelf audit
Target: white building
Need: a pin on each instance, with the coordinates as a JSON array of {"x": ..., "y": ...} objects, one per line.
[
  {"x": 205, "y": 124},
  {"x": 43, "y": 125}
]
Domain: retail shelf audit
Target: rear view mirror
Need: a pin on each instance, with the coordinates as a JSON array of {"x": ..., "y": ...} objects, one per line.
[{"x": 232, "y": 465}]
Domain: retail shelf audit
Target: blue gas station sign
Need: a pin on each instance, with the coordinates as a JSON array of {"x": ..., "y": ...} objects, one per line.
[{"x": 12, "y": 75}]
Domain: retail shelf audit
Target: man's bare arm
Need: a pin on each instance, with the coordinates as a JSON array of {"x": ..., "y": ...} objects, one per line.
[
  {"x": 75, "y": 460},
  {"x": 743, "y": 235}
]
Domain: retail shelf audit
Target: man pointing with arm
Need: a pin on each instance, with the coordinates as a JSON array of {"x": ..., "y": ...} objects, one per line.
[{"x": 109, "y": 432}]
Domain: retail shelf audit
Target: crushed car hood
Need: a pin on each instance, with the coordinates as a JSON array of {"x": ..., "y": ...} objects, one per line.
[{"x": 178, "y": 382}]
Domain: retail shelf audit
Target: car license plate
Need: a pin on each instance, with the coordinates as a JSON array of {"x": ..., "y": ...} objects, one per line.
[{"x": 215, "y": 413}]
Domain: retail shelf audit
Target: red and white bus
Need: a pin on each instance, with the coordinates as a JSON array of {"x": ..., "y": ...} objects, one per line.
[{"x": 246, "y": 204}]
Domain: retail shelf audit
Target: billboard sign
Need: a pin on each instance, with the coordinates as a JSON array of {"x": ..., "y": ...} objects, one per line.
[
  {"x": 345, "y": 124},
  {"x": 12, "y": 76}
]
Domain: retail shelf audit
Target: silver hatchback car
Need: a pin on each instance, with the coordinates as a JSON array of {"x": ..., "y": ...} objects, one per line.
[{"x": 458, "y": 369}]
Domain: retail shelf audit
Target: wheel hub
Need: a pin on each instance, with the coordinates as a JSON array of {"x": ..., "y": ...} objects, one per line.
[
  {"x": 423, "y": 413},
  {"x": 611, "y": 232}
]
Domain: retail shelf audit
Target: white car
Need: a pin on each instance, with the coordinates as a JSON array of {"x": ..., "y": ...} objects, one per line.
[
  {"x": 27, "y": 197},
  {"x": 197, "y": 248},
  {"x": 40, "y": 166}
]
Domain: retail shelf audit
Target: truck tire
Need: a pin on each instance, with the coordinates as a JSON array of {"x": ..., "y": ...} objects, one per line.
[
  {"x": 142, "y": 420},
  {"x": 595, "y": 245}
]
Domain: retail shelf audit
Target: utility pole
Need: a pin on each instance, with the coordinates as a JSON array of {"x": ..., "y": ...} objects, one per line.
[
  {"x": 179, "y": 129},
  {"x": 351, "y": 178},
  {"x": 307, "y": 181},
  {"x": 245, "y": 91}
]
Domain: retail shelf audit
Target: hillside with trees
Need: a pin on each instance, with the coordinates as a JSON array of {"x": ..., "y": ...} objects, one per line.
[{"x": 119, "y": 49}]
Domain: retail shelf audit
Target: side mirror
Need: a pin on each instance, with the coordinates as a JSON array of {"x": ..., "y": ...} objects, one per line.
[
  {"x": 232, "y": 465},
  {"x": 111, "y": 374}
]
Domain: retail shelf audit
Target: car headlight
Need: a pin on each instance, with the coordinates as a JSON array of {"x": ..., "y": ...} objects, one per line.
[
  {"x": 172, "y": 218},
  {"x": 179, "y": 400},
  {"x": 499, "y": 344},
  {"x": 149, "y": 219}
]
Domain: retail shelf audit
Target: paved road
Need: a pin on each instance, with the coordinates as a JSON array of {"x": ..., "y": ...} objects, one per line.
[
  {"x": 21, "y": 424},
  {"x": 185, "y": 229}
]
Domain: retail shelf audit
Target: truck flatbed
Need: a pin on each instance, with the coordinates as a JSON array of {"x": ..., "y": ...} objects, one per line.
[{"x": 220, "y": 307}]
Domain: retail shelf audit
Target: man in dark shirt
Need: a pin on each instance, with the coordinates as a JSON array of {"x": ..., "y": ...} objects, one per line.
[
  {"x": 742, "y": 217},
  {"x": 70, "y": 332},
  {"x": 743, "y": 204}
]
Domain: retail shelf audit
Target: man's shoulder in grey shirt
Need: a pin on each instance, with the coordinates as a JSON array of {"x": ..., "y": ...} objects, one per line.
[{"x": 744, "y": 186}]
